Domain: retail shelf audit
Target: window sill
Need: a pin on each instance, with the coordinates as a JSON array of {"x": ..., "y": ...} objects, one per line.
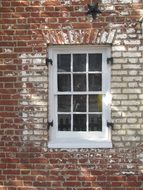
[{"x": 80, "y": 144}]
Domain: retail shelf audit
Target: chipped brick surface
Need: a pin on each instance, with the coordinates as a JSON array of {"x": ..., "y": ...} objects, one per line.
[{"x": 27, "y": 29}]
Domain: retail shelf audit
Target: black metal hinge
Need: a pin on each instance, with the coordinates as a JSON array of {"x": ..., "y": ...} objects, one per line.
[
  {"x": 50, "y": 124},
  {"x": 49, "y": 61},
  {"x": 111, "y": 125},
  {"x": 110, "y": 60}
]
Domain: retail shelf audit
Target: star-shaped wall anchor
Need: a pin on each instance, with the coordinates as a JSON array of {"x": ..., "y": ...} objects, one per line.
[{"x": 93, "y": 10}]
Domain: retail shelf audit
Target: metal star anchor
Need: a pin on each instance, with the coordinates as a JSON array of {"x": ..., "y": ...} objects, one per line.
[{"x": 93, "y": 10}]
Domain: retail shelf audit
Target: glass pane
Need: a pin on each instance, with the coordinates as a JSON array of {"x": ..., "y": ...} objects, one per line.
[
  {"x": 64, "y": 62},
  {"x": 79, "y": 82},
  {"x": 95, "y": 82},
  {"x": 95, "y": 103},
  {"x": 64, "y": 122},
  {"x": 79, "y": 62},
  {"x": 79, "y": 103},
  {"x": 95, "y": 122},
  {"x": 79, "y": 122},
  {"x": 64, "y": 83},
  {"x": 64, "y": 103},
  {"x": 95, "y": 62}
]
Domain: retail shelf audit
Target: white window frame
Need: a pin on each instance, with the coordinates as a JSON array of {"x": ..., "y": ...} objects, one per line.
[
  {"x": 79, "y": 139},
  {"x": 142, "y": 26}
]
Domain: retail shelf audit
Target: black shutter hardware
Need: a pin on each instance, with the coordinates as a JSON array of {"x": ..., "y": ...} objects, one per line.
[
  {"x": 49, "y": 61},
  {"x": 111, "y": 125},
  {"x": 50, "y": 124},
  {"x": 110, "y": 60}
]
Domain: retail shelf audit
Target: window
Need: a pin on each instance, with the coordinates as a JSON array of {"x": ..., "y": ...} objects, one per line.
[{"x": 79, "y": 94}]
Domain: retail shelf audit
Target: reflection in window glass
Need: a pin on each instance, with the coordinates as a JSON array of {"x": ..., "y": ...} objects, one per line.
[
  {"x": 95, "y": 82},
  {"x": 79, "y": 122},
  {"x": 64, "y": 83},
  {"x": 95, "y": 62},
  {"x": 79, "y": 62},
  {"x": 79, "y": 103},
  {"x": 64, "y": 62},
  {"x": 95, "y": 122},
  {"x": 64, "y": 103},
  {"x": 79, "y": 82},
  {"x": 64, "y": 122},
  {"x": 95, "y": 103}
]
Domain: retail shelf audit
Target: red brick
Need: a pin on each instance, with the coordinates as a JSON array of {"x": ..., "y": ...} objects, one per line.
[
  {"x": 21, "y": 3},
  {"x": 11, "y": 172},
  {"x": 42, "y": 184},
  {"x": 19, "y": 37},
  {"x": 71, "y": 184},
  {"x": 8, "y": 102},
  {"x": 81, "y": 25},
  {"x": 7, "y": 114},
  {"x": 20, "y": 9},
  {"x": 32, "y": 9},
  {"x": 3, "y": 166},
  {"x": 5, "y": 9},
  {"x": 7, "y": 44},
  {"x": 4, "y": 55},
  {"x": 8, "y": 21},
  {"x": 24, "y": 49}
]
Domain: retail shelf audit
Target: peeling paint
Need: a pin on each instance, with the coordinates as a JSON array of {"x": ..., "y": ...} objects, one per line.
[
  {"x": 128, "y": 173},
  {"x": 104, "y": 37},
  {"x": 8, "y": 50},
  {"x": 42, "y": 1},
  {"x": 140, "y": 156}
]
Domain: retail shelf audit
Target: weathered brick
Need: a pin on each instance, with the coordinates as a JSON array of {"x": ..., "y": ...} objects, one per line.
[{"x": 25, "y": 161}]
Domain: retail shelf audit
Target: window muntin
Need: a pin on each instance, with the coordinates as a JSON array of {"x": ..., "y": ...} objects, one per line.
[
  {"x": 78, "y": 96},
  {"x": 81, "y": 83}
]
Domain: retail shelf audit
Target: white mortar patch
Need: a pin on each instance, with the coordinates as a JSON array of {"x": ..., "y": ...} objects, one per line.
[{"x": 34, "y": 102}]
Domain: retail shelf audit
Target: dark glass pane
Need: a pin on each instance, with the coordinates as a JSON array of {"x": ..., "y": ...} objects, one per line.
[
  {"x": 64, "y": 62},
  {"x": 64, "y": 122},
  {"x": 79, "y": 62},
  {"x": 64, "y": 83},
  {"x": 79, "y": 103},
  {"x": 79, "y": 122},
  {"x": 95, "y": 103},
  {"x": 95, "y": 122},
  {"x": 95, "y": 82},
  {"x": 95, "y": 62},
  {"x": 64, "y": 103},
  {"x": 79, "y": 82}
]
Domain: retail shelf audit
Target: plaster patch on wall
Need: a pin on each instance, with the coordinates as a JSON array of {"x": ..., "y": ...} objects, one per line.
[
  {"x": 124, "y": 13},
  {"x": 6, "y": 50},
  {"x": 67, "y": 2},
  {"x": 42, "y": 1},
  {"x": 140, "y": 157},
  {"x": 109, "y": 8},
  {"x": 128, "y": 173},
  {"x": 34, "y": 97}
]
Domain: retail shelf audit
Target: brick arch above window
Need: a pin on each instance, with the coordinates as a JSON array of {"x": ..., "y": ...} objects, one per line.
[{"x": 88, "y": 36}]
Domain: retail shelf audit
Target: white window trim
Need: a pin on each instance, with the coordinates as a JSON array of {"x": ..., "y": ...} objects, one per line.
[{"x": 66, "y": 139}]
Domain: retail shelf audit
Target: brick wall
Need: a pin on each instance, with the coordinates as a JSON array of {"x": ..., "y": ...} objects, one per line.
[{"x": 27, "y": 28}]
